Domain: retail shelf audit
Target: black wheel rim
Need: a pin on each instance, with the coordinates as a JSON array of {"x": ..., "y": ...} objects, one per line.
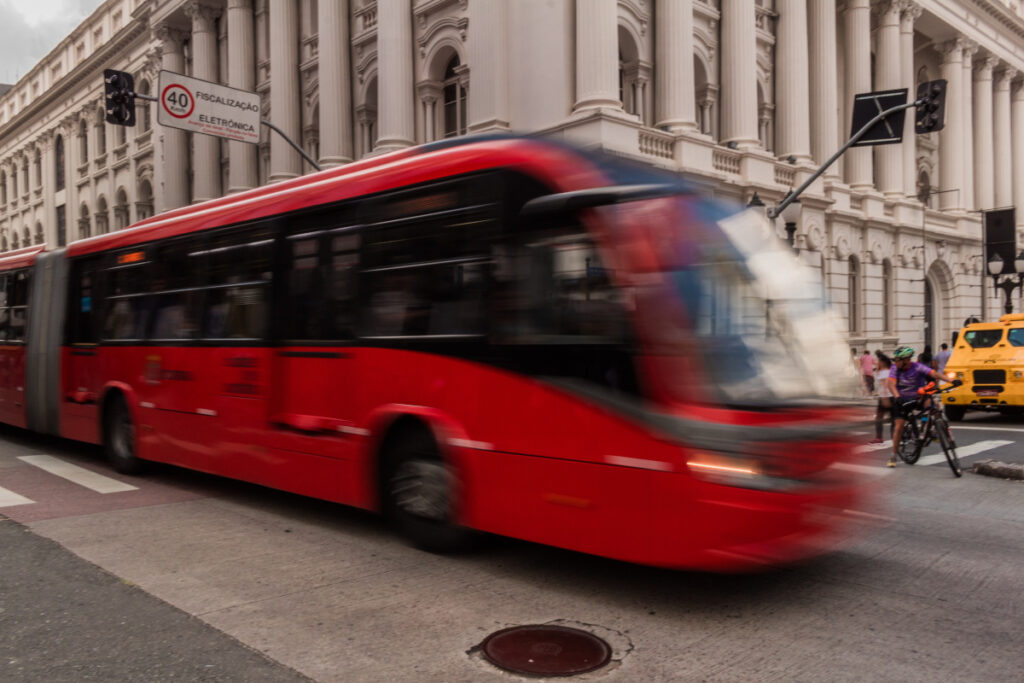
[{"x": 422, "y": 488}]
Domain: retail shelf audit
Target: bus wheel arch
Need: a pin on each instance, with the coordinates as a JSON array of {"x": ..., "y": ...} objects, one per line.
[
  {"x": 419, "y": 486},
  {"x": 119, "y": 425}
]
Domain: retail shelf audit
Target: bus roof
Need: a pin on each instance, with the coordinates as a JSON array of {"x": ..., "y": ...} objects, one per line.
[
  {"x": 20, "y": 258},
  {"x": 561, "y": 166}
]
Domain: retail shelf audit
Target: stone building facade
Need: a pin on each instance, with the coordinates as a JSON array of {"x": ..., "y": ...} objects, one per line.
[{"x": 740, "y": 96}]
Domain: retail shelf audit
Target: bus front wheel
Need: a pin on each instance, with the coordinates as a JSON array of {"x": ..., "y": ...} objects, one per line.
[
  {"x": 119, "y": 442},
  {"x": 955, "y": 413},
  {"x": 419, "y": 492}
]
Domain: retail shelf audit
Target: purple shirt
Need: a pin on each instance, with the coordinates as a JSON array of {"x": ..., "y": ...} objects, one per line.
[{"x": 910, "y": 380}]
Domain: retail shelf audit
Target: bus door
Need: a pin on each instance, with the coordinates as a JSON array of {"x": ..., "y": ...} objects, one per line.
[
  {"x": 315, "y": 366},
  {"x": 81, "y": 381}
]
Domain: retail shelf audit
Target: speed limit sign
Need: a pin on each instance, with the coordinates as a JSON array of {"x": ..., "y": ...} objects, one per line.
[{"x": 177, "y": 100}]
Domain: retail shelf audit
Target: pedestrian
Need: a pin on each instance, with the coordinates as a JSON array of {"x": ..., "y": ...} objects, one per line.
[
  {"x": 925, "y": 358},
  {"x": 867, "y": 371},
  {"x": 883, "y": 411},
  {"x": 942, "y": 357}
]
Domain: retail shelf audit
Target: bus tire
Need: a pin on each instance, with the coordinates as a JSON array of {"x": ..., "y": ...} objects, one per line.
[
  {"x": 120, "y": 442},
  {"x": 955, "y": 413},
  {"x": 420, "y": 488}
]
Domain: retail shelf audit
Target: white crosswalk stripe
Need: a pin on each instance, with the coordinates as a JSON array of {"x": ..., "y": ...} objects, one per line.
[
  {"x": 874, "y": 446},
  {"x": 77, "y": 475},
  {"x": 10, "y": 499},
  {"x": 963, "y": 451}
]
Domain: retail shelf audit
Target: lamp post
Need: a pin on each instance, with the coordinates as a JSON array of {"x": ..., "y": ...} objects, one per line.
[{"x": 1007, "y": 281}]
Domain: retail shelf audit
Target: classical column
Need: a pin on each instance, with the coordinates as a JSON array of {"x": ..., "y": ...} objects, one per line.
[
  {"x": 984, "y": 165},
  {"x": 968, "y": 113},
  {"x": 597, "y": 55},
  {"x": 335, "y": 86},
  {"x": 792, "y": 91},
  {"x": 673, "y": 40},
  {"x": 911, "y": 11},
  {"x": 242, "y": 163},
  {"x": 171, "y": 172},
  {"x": 395, "y": 85},
  {"x": 1017, "y": 133},
  {"x": 739, "y": 73},
  {"x": 823, "y": 95},
  {"x": 285, "y": 162},
  {"x": 858, "y": 80},
  {"x": 888, "y": 76},
  {"x": 487, "y": 44},
  {"x": 1002, "y": 139},
  {"x": 205, "y": 148},
  {"x": 951, "y": 136}
]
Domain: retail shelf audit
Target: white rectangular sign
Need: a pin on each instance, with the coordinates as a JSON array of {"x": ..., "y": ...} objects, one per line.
[{"x": 204, "y": 107}]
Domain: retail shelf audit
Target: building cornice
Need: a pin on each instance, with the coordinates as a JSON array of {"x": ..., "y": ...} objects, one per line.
[{"x": 111, "y": 53}]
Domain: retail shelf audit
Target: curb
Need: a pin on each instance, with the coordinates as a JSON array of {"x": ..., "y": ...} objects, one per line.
[{"x": 995, "y": 468}]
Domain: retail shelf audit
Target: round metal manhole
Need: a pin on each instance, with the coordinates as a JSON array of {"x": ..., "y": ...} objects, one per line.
[{"x": 546, "y": 650}]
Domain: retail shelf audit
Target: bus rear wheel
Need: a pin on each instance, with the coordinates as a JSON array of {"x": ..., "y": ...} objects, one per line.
[
  {"x": 419, "y": 492},
  {"x": 119, "y": 441}
]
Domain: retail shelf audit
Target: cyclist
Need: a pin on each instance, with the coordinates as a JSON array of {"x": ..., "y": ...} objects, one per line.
[{"x": 905, "y": 378}]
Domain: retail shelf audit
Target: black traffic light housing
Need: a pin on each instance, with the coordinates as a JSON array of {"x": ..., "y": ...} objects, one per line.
[
  {"x": 119, "y": 97},
  {"x": 931, "y": 107}
]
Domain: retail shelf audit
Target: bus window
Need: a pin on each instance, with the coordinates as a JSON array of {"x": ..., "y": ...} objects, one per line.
[
  {"x": 983, "y": 339},
  {"x": 127, "y": 284},
  {"x": 341, "y": 285},
  {"x": 237, "y": 290},
  {"x": 82, "y": 306},
  {"x": 173, "y": 304},
  {"x": 17, "y": 294},
  {"x": 321, "y": 284},
  {"x": 5, "y": 312}
]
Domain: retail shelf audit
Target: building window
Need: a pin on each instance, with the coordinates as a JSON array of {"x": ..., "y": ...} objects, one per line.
[
  {"x": 62, "y": 226},
  {"x": 853, "y": 288},
  {"x": 454, "y": 92},
  {"x": 142, "y": 108},
  {"x": 24, "y": 174},
  {"x": 37, "y": 164},
  {"x": 887, "y": 295},
  {"x": 39, "y": 233},
  {"x": 121, "y": 210},
  {"x": 101, "y": 216},
  {"x": 3, "y": 188},
  {"x": 84, "y": 227},
  {"x": 83, "y": 140},
  {"x": 101, "y": 133},
  {"x": 58, "y": 156}
]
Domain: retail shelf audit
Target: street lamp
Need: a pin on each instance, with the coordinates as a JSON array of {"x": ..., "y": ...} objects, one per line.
[
  {"x": 790, "y": 215},
  {"x": 756, "y": 204},
  {"x": 1006, "y": 281}
]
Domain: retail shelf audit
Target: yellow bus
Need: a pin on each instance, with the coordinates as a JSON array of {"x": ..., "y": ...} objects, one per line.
[{"x": 989, "y": 359}]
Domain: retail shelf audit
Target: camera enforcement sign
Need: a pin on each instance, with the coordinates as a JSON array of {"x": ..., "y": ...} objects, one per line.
[{"x": 208, "y": 108}]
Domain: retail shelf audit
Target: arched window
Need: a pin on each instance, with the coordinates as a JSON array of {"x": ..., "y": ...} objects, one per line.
[
  {"x": 144, "y": 200},
  {"x": 101, "y": 133},
  {"x": 14, "y": 181},
  {"x": 454, "y": 100},
  {"x": 15, "y": 242},
  {"x": 366, "y": 114},
  {"x": 39, "y": 233},
  {"x": 887, "y": 295},
  {"x": 3, "y": 243},
  {"x": 142, "y": 108},
  {"x": 853, "y": 285},
  {"x": 37, "y": 167},
  {"x": 632, "y": 77},
  {"x": 26, "y": 238},
  {"x": 120, "y": 209},
  {"x": 24, "y": 174},
  {"x": 58, "y": 163},
  {"x": 101, "y": 216},
  {"x": 84, "y": 224},
  {"x": 83, "y": 141}
]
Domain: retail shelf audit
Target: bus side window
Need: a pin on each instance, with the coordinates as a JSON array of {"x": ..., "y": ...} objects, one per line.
[
  {"x": 5, "y": 312},
  {"x": 127, "y": 287},
  {"x": 17, "y": 289},
  {"x": 173, "y": 305},
  {"x": 82, "y": 310},
  {"x": 237, "y": 292}
]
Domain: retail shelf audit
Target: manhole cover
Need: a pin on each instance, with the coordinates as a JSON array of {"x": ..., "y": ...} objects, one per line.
[{"x": 546, "y": 650}]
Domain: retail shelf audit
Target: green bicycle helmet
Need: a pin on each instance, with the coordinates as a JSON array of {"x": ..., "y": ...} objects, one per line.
[{"x": 903, "y": 352}]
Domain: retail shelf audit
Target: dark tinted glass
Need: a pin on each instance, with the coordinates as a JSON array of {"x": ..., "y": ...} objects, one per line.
[{"x": 981, "y": 339}]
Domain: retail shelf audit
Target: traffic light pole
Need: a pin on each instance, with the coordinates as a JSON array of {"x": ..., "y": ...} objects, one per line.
[
  {"x": 792, "y": 196},
  {"x": 268, "y": 124}
]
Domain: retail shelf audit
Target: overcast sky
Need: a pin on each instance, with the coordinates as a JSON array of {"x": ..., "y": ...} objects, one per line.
[{"x": 31, "y": 28}]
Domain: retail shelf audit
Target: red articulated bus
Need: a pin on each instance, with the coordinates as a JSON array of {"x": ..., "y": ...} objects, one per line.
[{"x": 502, "y": 334}]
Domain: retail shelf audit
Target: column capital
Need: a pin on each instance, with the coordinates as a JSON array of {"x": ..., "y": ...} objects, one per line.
[
  {"x": 951, "y": 50},
  {"x": 970, "y": 48},
  {"x": 985, "y": 66},
  {"x": 202, "y": 15},
  {"x": 1004, "y": 78},
  {"x": 889, "y": 10},
  {"x": 239, "y": 4},
  {"x": 170, "y": 37},
  {"x": 910, "y": 11}
]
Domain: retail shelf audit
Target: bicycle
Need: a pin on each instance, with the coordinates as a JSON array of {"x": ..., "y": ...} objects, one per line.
[{"x": 925, "y": 423}]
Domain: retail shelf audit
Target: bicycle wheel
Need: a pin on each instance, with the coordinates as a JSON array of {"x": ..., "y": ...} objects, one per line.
[
  {"x": 948, "y": 446},
  {"x": 910, "y": 444}
]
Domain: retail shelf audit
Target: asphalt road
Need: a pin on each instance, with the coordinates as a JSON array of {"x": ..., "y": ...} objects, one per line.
[{"x": 182, "y": 576}]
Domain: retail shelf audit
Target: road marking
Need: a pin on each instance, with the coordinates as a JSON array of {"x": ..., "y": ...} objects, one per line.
[
  {"x": 964, "y": 451},
  {"x": 77, "y": 475},
  {"x": 10, "y": 499},
  {"x": 874, "y": 446},
  {"x": 957, "y": 428}
]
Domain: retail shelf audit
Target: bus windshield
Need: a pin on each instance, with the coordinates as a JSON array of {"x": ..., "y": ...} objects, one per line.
[
  {"x": 760, "y": 326},
  {"x": 983, "y": 339}
]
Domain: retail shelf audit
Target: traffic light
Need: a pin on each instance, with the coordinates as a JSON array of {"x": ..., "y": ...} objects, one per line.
[
  {"x": 931, "y": 107},
  {"x": 119, "y": 97}
]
